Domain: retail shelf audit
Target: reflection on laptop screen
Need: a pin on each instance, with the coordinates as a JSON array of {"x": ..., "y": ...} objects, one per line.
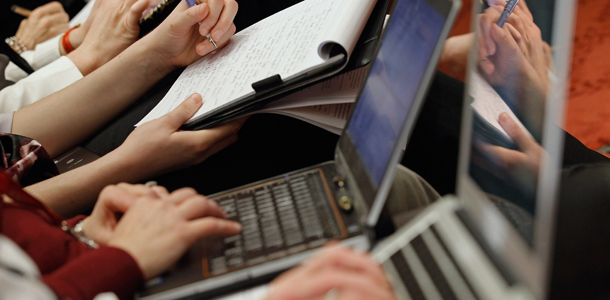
[{"x": 393, "y": 83}]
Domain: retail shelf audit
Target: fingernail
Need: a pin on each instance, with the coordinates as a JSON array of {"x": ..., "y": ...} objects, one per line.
[
  {"x": 195, "y": 99},
  {"x": 205, "y": 30},
  {"x": 217, "y": 35},
  {"x": 503, "y": 118},
  {"x": 236, "y": 226},
  {"x": 204, "y": 49}
]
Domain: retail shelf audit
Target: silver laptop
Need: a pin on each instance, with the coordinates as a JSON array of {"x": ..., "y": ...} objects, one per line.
[
  {"x": 494, "y": 240},
  {"x": 286, "y": 218}
]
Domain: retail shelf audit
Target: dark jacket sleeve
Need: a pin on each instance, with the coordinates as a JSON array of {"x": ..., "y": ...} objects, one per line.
[{"x": 106, "y": 269}]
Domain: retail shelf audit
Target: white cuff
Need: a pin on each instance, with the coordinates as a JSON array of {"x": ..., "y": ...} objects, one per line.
[
  {"x": 42, "y": 83},
  {"x": 44, "y": 54}
]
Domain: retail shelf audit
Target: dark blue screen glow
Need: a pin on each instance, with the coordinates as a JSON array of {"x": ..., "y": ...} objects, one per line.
[{"x": 392, "y": 85}]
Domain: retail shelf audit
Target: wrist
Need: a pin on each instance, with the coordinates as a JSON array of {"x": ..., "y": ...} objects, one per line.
[
  {"x": 65, "y": 40},
  {"x": 16, "y": 44},
  {"x": 77, "y": 36},
  {"x": 85, "y": 62},
  {"x": 150, "y": 45}
]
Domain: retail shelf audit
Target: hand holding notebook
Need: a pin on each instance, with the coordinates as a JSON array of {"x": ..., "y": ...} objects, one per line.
[{"x": 295, "y": 47}]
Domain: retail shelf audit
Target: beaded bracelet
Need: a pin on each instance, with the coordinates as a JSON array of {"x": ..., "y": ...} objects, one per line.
[
  {"x": 16, "y": 44},
  {"x": 78, "y": 233},
  {"x": 65, "y": 41}
]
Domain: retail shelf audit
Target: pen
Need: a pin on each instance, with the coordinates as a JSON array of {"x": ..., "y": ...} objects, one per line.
[
  {"x": 192, "y": 3},
  {"x": 21, "y": 11},
  {"x": 508, "y": 9}
]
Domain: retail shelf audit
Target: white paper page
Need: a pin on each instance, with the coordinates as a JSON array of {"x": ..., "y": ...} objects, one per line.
[
  {"x": 82, "y": 15},
  {"x": 285, "y": 44},
  {"x": 333, "y": 116},
  {"x": 342, "y": 88},
  {"x": 255, "y": 293},
  {"x": 335, "y": 130},
  {"x": 489, "y": 105}
]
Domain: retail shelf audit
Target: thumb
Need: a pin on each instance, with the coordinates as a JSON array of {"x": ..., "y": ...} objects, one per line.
[
  {"x": 184, "y": 111},
  {"x": 190, "y": 16},
  {"x": 135, "y": 13},
  {"x": 522, "y": 140}
]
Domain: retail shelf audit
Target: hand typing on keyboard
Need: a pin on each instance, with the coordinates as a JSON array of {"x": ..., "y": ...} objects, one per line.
[{"x": 335, "y": 273}]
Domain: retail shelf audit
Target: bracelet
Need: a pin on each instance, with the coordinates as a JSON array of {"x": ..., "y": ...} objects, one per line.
[
  {"x": 16, "y": 44},
  {"x": 77, "y": 232},
  {"x": 65, "y": 41}
]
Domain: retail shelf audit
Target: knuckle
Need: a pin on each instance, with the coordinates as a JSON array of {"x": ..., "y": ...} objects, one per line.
[{"x": 188, "y": 190}]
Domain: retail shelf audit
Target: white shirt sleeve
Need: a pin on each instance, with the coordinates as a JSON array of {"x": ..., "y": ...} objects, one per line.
[
  {"x": 44, "y": 53},
  {"x": 6, "y": 122},
  {"x": 44, "y": 82}
]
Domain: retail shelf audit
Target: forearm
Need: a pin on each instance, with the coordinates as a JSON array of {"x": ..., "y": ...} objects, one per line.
[
  {"x": 76, "y": 191},
  {"x": 67, "y": 117}
]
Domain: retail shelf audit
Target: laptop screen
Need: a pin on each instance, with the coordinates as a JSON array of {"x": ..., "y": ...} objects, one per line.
[
  {"x": 512, "y": 141},
  {"x": 393, "y": 83}
]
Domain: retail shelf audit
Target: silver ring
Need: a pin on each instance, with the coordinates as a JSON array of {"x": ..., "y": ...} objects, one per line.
[
  {"x": 211, "y": 41},
  {"x": 150, "y": 183}
]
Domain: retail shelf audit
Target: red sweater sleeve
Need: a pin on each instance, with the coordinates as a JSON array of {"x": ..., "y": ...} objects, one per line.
[{"x": 91, "y": 274}]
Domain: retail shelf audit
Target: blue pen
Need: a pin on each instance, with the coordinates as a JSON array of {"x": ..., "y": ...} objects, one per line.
[
  {"x": 508, "y": 9},
  {"x": 192, "y": 3}
]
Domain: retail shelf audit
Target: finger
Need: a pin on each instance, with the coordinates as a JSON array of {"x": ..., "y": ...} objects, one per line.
[
  {"x": 203, "y": 140},
  {"x": 503, "y": 38},
  {"x": 183, "y": 112},
  {"x": 521, "y": 139},
  {"x": 56, "y": 18},
  {"x": 47, "y": 22},
  {"x": 190, "y": 16},
  {"x": 343, "y": 280},
  {"x": 523, "y": 6},
  {"x": 517, "y": 22},
  {"x": 206, "y": 46},
  {"x": 345, "y": 258},
  {"x": 135, "y": 13},
  {"x": 212, "y": 227},
  {"x": 138, "y": 190},
  {"x": 116, "y": 199},
  {"x": 49, "y": 8},
  {"x": 215, "y": 9},
  {"x": 225, "y": 20},
  {"x": 127, "y": 4},
  {"x": 160, "y": 190},
  {"x": 506, "y": 158},
  {"x": 181, "y": 195},
  {"x": 517, "y": 37},
  {"x": 198, "y": 206},
  {"x": 487, "y": 21}
]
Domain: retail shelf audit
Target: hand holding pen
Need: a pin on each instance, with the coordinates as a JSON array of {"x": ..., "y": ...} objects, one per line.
[
  {"x": 181, "y": 38},
  {"x": 218, "y": 21},
  {"x": 515, "y": 53},
  {"x": 508, "y": 9},
  {"x": 41, "y": 24}
]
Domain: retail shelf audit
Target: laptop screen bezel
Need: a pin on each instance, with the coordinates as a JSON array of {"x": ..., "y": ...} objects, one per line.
[
  {"x": 346, "y": 155},
  {"x": 529, "y": 264}
]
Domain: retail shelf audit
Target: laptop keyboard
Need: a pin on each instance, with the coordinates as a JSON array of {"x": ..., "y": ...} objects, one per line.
[
  {"x": 419, "y": 267},
  {"x": 285, "y": 216}
]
